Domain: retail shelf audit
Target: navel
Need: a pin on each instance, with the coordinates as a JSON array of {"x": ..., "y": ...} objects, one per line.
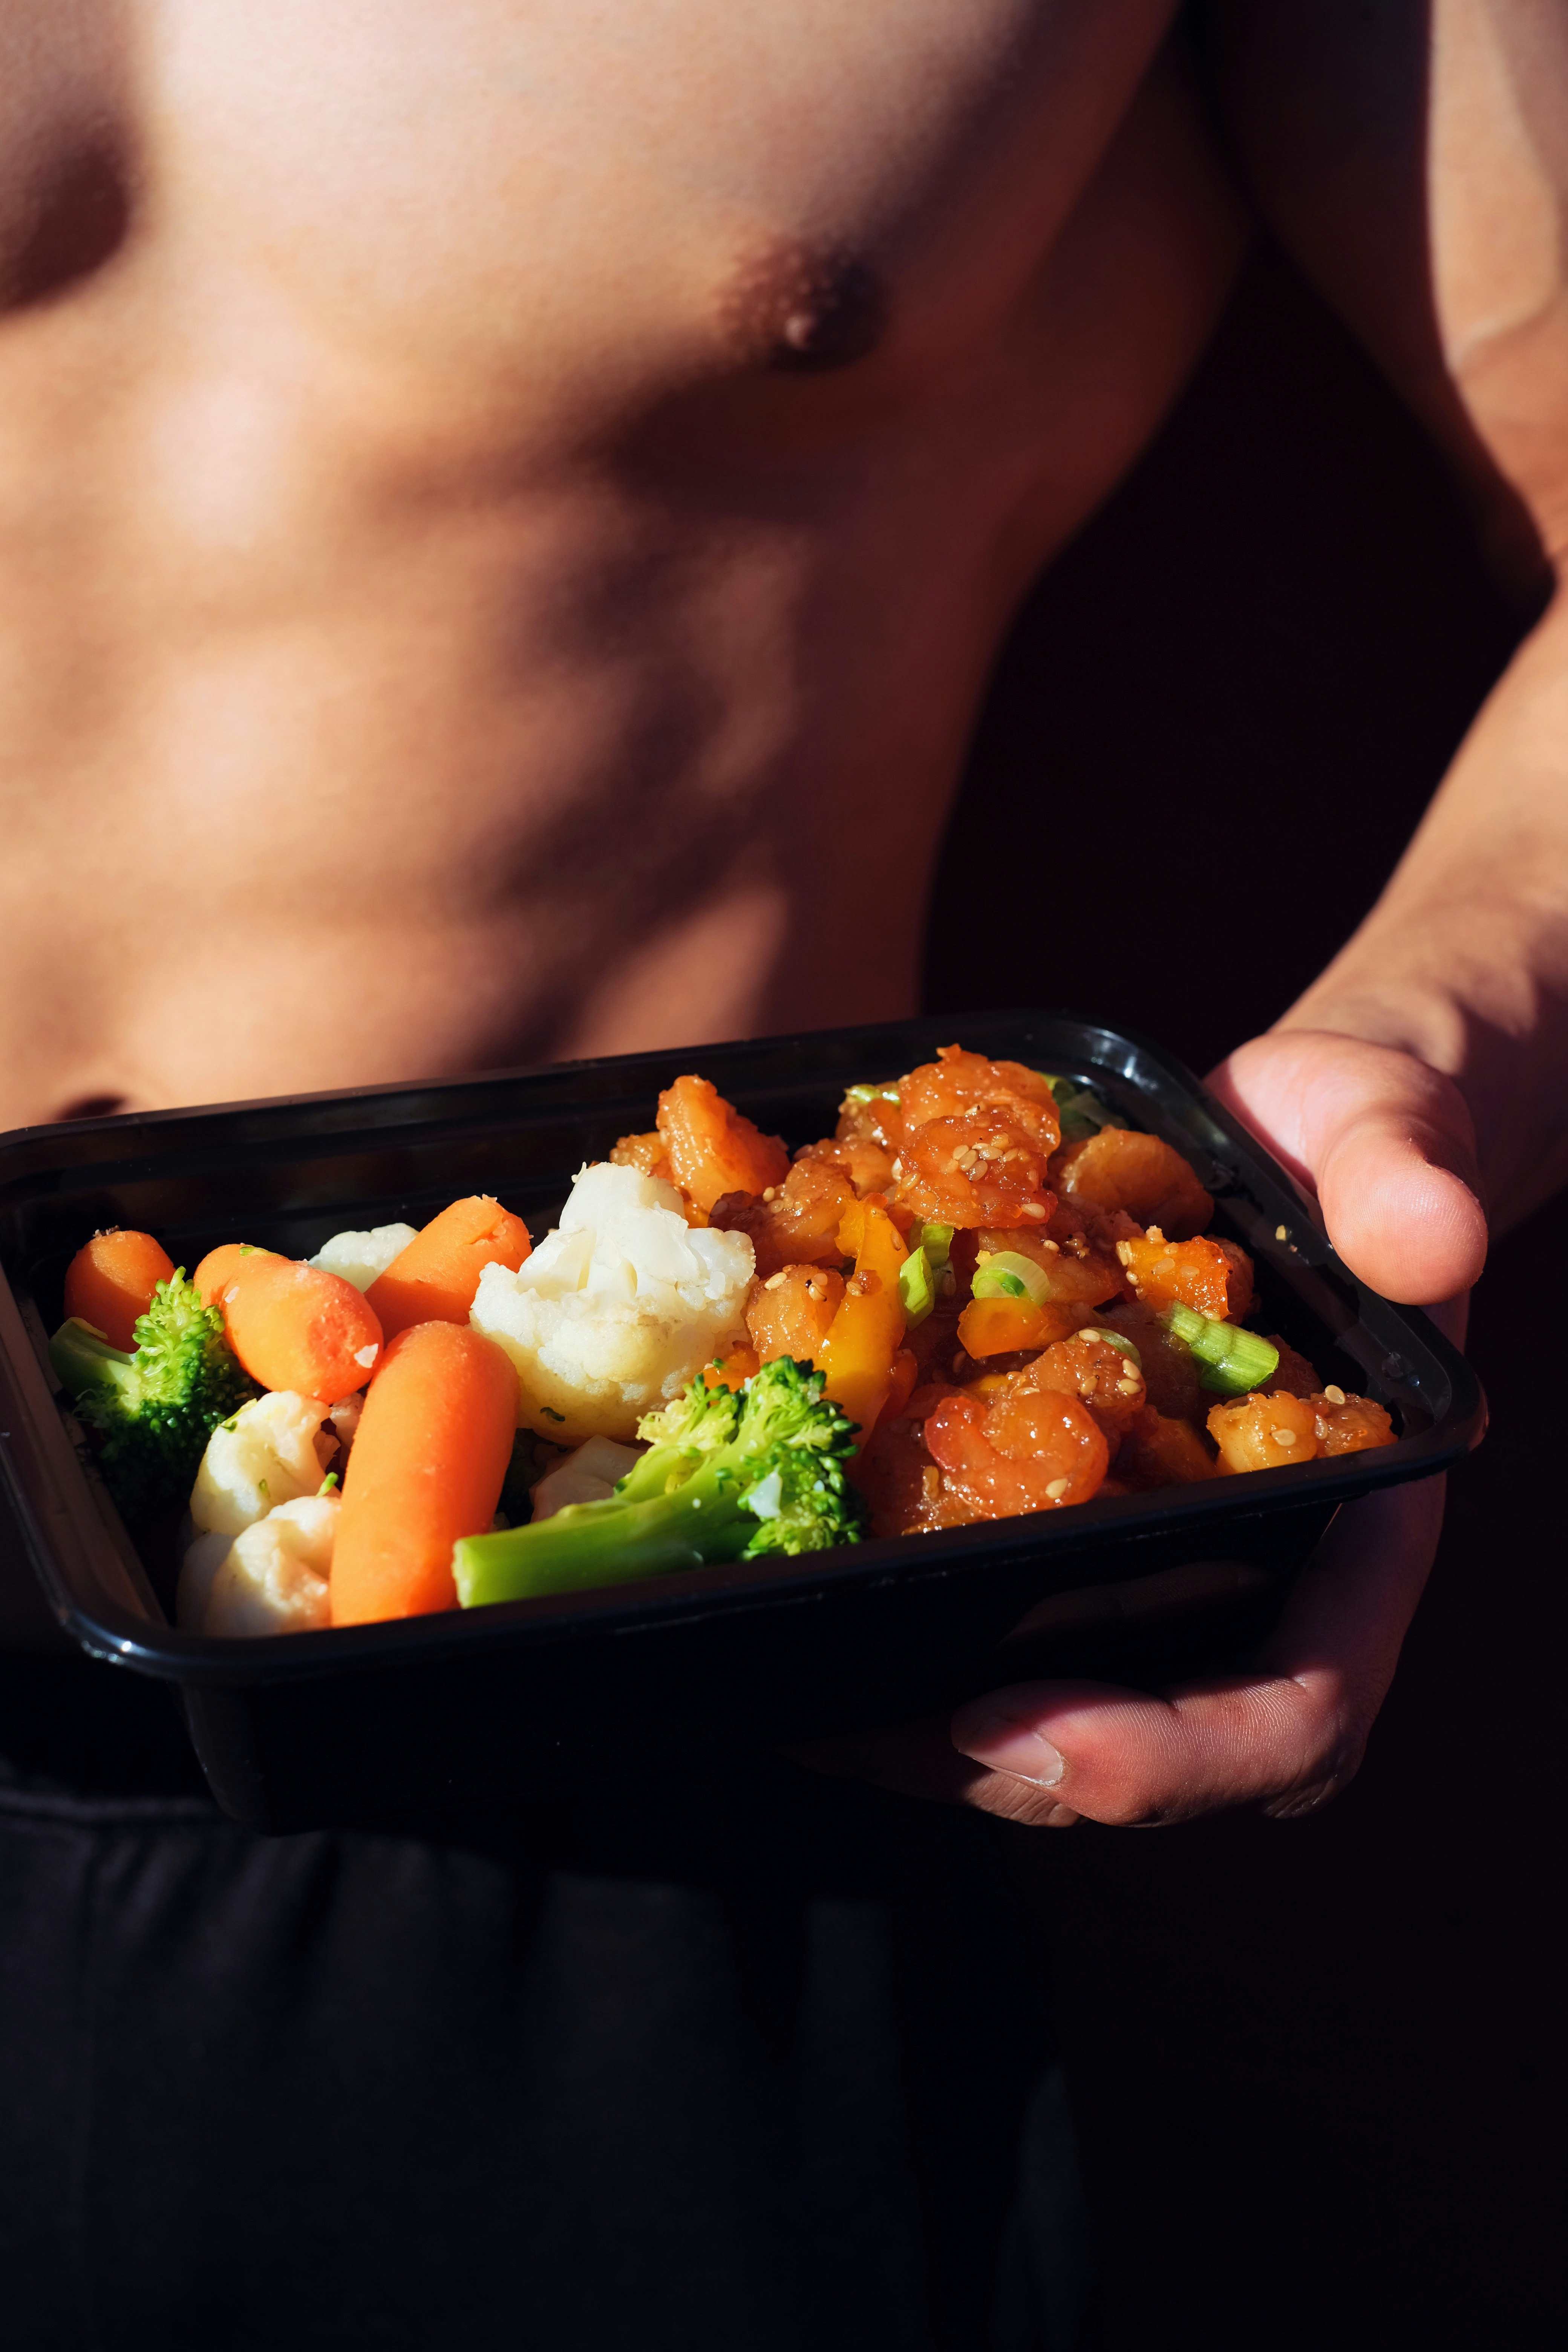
[
  {"x": 92, "y": 1106},
  {"x": 799, "y": 308}
]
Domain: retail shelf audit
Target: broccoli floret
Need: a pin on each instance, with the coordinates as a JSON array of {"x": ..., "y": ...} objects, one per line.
[
  {"x": 728, "y": 1475},
  {"x": 155, "y": 1409}
]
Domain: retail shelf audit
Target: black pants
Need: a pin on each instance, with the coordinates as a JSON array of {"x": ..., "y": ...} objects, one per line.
[{"x": 741, "y": 2060}]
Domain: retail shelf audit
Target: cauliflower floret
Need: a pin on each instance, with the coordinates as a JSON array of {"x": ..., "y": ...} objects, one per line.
[
  {"x": 616, "y": 1308},
  {"x": 271, "y": 1451},
  {"x": 344, "y": 1418},
  {"x": 199, "y": 1563},
  {"x": 585, "y": 1477},
  {"x": 362, "y": 1258},
  {"x": 274, "y": 1577}
]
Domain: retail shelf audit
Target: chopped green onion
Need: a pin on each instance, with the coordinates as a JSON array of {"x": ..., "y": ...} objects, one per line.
[
  {"x": 936, "y": 1242},
  {"x": 1082, "y": 1112},
  {"x": 863, "y": 1095},
  {"x": 1235, "y": 1360},
  {"x": 328, "y": 1485},
  {"x": 1008, "y": 1274},
  {"x": 915, "y": 1287},
  {"x": 1115, "y": 1339}
]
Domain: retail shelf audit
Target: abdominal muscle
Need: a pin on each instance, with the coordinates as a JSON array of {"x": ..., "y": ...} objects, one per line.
[{"x": 350, "y": 730}]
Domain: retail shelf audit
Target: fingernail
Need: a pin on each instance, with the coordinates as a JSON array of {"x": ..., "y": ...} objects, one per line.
[{"x": 997, "y": 1739}]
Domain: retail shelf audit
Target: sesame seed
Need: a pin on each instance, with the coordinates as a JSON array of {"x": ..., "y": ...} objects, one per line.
[
  {"x": 1058, "y": 1489},
  {"x": 772, "y": 1282},
  {"x": 770, "y": 1191},
  {"x": 1037, "y": 1209},
  {"x": 1156, "y": 1235},
  {"x": 898, "y": 1170},
  {"x": 1166, "y": 1265},
  {"x": 1050, "y": 1243},
  {"x": 1127, "y": 1388},
  {"x": 1334, "y": 1396},
  {"x": 1283, "y": 1436},
  {"x": 1281, "y": 1232}
]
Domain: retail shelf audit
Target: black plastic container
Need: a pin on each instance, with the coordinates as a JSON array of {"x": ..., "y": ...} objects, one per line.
[{"x": 305, "y": 1729}]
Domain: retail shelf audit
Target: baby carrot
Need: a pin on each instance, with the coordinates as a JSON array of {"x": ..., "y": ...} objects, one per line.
[
  {"x": 109, "y": 1282},
  {"x": 435, "y": 1278},
  {"x": 430, "y": 1456},
  {"x": 298, "y": 1326},
  {"x": 220, "y": 1265}
]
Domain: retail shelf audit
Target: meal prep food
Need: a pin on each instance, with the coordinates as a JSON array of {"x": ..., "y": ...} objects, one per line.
[{"x": 979, "y": 1297}]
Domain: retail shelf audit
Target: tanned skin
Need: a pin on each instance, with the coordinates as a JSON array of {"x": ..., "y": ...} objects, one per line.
[{"x": 506, "y": 511}]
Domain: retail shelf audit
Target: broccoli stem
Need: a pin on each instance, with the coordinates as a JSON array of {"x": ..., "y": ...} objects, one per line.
[
  {"x": 726, "y": 1476},
  {"x": 617, "y": 1541}
]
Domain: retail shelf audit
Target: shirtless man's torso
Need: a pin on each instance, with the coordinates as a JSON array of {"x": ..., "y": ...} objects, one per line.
[
  {"x": 506, "y": 511},
  {"x": 507, "y": 508}
]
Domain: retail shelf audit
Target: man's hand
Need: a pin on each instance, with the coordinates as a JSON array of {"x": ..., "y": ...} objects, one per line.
[
  {"x": 1443, "y": 128},
  {"x": 1386, "y": 1144}
]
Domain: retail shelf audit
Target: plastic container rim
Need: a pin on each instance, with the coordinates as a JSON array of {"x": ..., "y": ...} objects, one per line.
[{"x": 1101, "y": 1526}]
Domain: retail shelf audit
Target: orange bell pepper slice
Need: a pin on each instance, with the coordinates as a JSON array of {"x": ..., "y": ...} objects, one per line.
[
  {"x": 1000, "y": 1327},
  {"x": 866, "y": 1334}
]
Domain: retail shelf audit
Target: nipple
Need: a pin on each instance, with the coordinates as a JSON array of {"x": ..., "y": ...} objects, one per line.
[
  {"x": 803, "y": 309},
  {"x": 73, "y": 218}
]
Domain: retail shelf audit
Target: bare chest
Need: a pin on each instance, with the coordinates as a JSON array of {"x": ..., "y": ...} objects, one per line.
[
  {"x": 486, "y": 482},
  {"x": 547, "y": 198}
]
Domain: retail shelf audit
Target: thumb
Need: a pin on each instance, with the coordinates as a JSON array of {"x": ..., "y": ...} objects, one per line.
[{"x": 1386, "y": 1143}]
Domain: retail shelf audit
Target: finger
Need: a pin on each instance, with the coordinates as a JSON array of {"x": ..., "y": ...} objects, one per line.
[
  {"x": 1388, "y": 1144},
  {"x": 1289, "y": 1735},
  {"x": 916, "y": 1759}
]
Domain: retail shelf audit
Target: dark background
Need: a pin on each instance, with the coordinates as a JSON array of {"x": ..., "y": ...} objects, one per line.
[{"x": 1315, "y": 2065}]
